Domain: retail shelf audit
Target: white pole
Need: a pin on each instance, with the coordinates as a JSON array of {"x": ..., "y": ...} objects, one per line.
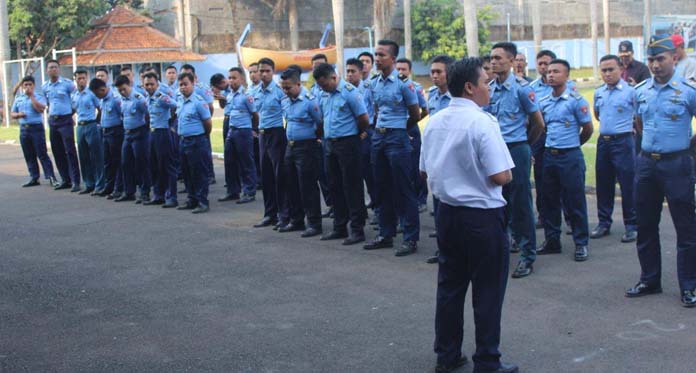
[
  {"x": 6, "y": 94},
  {"x": 338, "y": 31},
  {"x": 593, "y": 33},
  {"x": 471, "y": 28},
  {"x": 407, "y": 29},
  {"x": 607, "y": 31}
]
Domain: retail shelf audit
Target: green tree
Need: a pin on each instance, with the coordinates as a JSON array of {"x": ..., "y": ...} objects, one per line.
[{"x": 438, "y": 28}]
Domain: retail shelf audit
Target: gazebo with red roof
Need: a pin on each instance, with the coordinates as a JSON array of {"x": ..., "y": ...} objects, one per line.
[{"x": 123, "y": 36}]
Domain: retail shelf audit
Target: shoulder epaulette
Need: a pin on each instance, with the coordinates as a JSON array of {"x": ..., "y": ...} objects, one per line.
[
  {"x": 309, "y": 96},
  {"x": 522, "y": 81},
  {"x": 544, "y": 98},
  {"x": 137, "y": 95},
  {"x": 198, "y": 97},
  {"x": 641, "y": 83},
  {"x": 576, "y": 95},
  {"x": 690, "y": 83},
  {"x": 431, "y": 89},
  {"x": 367, "y": 84},
  {"x": 374, "y": 76},
  {"x": 403, "y": 77},
  {"x": 349, "y": 87}
]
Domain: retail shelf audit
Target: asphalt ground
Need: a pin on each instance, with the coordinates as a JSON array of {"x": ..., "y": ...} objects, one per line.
[{"x": 89, "y": 285}]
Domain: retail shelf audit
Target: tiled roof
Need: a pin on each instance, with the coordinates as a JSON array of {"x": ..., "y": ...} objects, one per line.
[
  {"x": 121, "y": 16},
  {"x": 115, "y": 58}
]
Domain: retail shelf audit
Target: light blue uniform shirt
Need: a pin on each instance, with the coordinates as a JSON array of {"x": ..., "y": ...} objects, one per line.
[
  {"x": 58, "y": 96},
  {"x": 542, "y": 89},
  {"x": 302, "y": 116},
  {"x": 111, "y": 110},
  {"x": 437, "y": 101},
  {"x": 160, "y": 106},
  {"x": 420, "y": 93},
  {"x": 563, "y": 116},
  {"x": 268, "y": 104},
  {"x": 138, "y": 88},
  {"x": 315, "y": 90},
  {"x": 134, "y": 109},
  {"x": 365, "y": 90},
  {"x": 340, "y": 110},
  {"x": 254, "y": 88},
  {"x": 192, "y": 111},
  {"x": 204, "y": 91},
  {"x": 615, "y": 107},
  {"x": 666, "y": 114},
  {"x": 512, "y": 101},
  {"x": 85, "y": 104},
  {"x": 240, "y": 107},
  {"x": 392, "y": 97},
  {"x": 23, "y": 104}
]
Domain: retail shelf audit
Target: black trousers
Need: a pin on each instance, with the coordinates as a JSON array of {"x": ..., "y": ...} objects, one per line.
[
  {"x": 272, "y": 143},
  {"x": 302, "y": 160},
  {"x": 344, "y": 172},
  {"x": 474, "y": 248}
]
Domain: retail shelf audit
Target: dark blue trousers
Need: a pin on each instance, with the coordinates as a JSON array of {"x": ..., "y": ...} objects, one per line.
[
  {"x": 272, "y": 145},
  {"x": 323, "y": 178},
  {"x": 345, "y": 183},
  {"x": 209, "y": 160},
  {"x": 173, "y": 123},
  {"x": 564, "y": 182},
  {"x": 112, "y": 138},
  {"x": 396, "y": 193},
  {"x": 62, "y": 137},
  {"x": 135, "y": 158},
  {"x": 162, "y": 165},
  {"x": 301, "y": 163},
  {"x": 193, "y": 150},
  {"x": 90, "y": 148},
  {"x": 616, "y": 161},
  {"x": 367, "y": 168},
  {"x": 520, "y": 208},
  {"x": 474, "y": 248},
  {"x": 240, "y": 169},
  {"x": 538, "y": 167},
  {"x": 33, "y": 140},
  {"x": 671, "y": 178},
  {"x": 420, "y": 184}
]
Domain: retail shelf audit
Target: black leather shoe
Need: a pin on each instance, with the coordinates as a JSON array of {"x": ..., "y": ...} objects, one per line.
[
  {"x": 504, "y": 368},
  {"x": 62, "y": 185},
  {"x": 523, "y": 269},
  {"x": 328, "y": 213},
  {"x": 100, "y": 193},
  {"x": 125, "y": 198},
  {"x": 333, "y": 235},
  {"x": 201, "y": 208},
  {"x": 629, "y": 236},
  {"x": 353, "y": 239},
  {"x": 433, "y": 259},
  {"x": 448, "y": 368},
  {"x": 31, "y": 183},
  {"x": 229, "y": 197},
  {"x": 379, "y": 243},
  {"x": 279, "y": 225},
  {"x": 311, "y": 232},
  {"x": 642, "y": 289},
  {"x": 95, "y": 193},
  {"x": 75, "y": 188},
  {"x": 170, "y": 205},
  {"x": 53, "y": 182},
  {"x": 187, "y": 206},
  {"x": 406, "y": 248},
  {"x": 291, "y": 228},
  {"x": 549, "y": 247},
  {"x": 153, "y": 202},
  {"x": 581, "y": 253},
  {"x": 514, "y": 247},
  {"x": 688, "y": 298},
  {"x": 266, "y": 222},
  {"x": 113, "y": 195},
  {"x": 86, "y": 191},
  {"x": 246, "y": 199},
  {"x": 599, "y": 232}
]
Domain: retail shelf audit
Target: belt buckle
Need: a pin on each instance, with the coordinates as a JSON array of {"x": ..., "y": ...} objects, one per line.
[
  {"x": 606, "y": 137},
  {"x": 262, "y": 131},
  {"x": 291, "y": 142},
  {"x": 554, "y": 151},
  {"x": 382, "y": 130},
  {"x": 656, "y": 156}
]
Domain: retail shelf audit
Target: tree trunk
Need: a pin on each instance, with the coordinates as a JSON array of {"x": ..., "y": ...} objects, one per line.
[
  {"x": 407, "y": 29},
  {"x": 536, "y": 25},
  {"x": 188, "y": 24},
  {"x": 607, "y": 31},
  {"x": 647, "y": 29},
  {"x": 338, "y": 31},
  {"x": 593, "y": 33},
  {"x": 471, "y": 28},
  {"x": 180, "y": 28},
  {"x": 294, "y": 26},
  {"x": 382, "y": 14}
]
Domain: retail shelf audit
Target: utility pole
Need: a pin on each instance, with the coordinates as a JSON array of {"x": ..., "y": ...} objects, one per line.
[
  {"x": 471, "y": 28},
  {"x": 180, "y": 28},
  {"x": 647, "y": 29},
  {"x": 593, "y": 32},
  {"x": 607, "y": 33},
  {"x": 407, "y": 29},
  {"x": 5, "y": 53},
  {"x": 338, "y": 31},
  {"x": 536, "y": 24},
  {"x": 294, "y": 26},
  {"x": 188, "y": 25}
]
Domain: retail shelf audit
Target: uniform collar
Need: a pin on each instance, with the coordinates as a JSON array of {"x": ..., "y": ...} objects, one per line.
[
  {"x": 192, "y": 97},
  {"x": 239, "y": 90},
  {"x": 270, "y": 86},
  {"x": 394, "y": 76},
  {"x": 464, "y": 102},
  {"x": 672, "y": 83},
  {"x": 565, "y": 95}
]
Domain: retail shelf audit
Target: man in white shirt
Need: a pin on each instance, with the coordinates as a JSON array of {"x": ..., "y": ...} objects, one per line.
[{"x": 466, "y": 162}]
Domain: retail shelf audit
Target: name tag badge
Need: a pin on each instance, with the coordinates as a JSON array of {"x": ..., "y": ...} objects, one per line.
[{"x": 567, "y": 124}]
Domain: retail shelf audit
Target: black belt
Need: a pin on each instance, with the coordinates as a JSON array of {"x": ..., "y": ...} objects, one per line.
[
  {"x": 264, "y": 130},
  {"x": 339, "y": 139},
  {"x": 159, "y": 129},
  {"x": 134, "y": 130},
  {"x": 55, "y": 117},
  {"x": 32, "y": 125},
  {"x": 511, "y": 145},
  {"x": 292, "y": 143},
  {"x": 239, "y": 128},
  {"x": 385, "y": 130},
  {"x": 615, "y": 137},
  {"x": 192, "y": 136},
  {"x": 86, "y": 122},
  {"x": 557, "y": 151},
  {"x": 661, "y": 156}
]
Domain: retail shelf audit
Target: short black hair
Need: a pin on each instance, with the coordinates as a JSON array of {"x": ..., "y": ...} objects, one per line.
[
  {"x": 291, "y": 75},
  {"x": 609, "y": 57},
  {"x": 170, "y": 67},
  {"x": 126, "y": 67},
  {"x": 52, "y": 60},
  {"x": 486, "y": 58},
  {"x": 103, "y": 69},
  {"x": 267, "y": 61},
  {"x": 508, "y": 47},
  {"x": 80, "y": 71},
  {"x": 407, "y": 61},
  {"x": 237, "y": 69},
  {"x": 323, "y": 71},
  {"x": 122, "y": 80},
  {"x": 190, "y": 67},
  {"x": 143, "y": 69},
  {"x": 28, "y": 78},
  {"x": 216, "y": 79},
  {"x": 355, "y": 62},
  {"x": 562, "y": 62},
  {"x": 297, "y": 68},
  {"x": 546, "y": 52},
  {"x": 372, "y": 58},
  {"x": 150, "y": 75},
  {"x": 188, "y": 76},
  {"x": 466, "y": 70},
  {"x": 253, "y": 64},
  {"x": 394, "y": 47},
  {"x": 320, "y": 56},
  {"x": 443, "y": 58},
  {"x": 95, "y": 84}
]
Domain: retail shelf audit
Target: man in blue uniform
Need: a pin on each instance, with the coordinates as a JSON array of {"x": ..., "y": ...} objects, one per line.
[
  {"x": 614, "y": 107},
  {"x": 111, "y": 123},
  {"x": 254, "y": 85},
  {"x": 128, "y": 71},
  {"x": 28, "y": 109},
  {"x": 89, "y": 139},
  {"x": 171, "y": 75},
  {"x": 466, "y": 162},
  {"x": 272, "y": 145},
  {"x": 568, "y": 126},
  {"x": 194, "y": 128},
  {"x": 345, "y": 117},
  {"x": 62, "y": 135},
  {"x": 397, "y": 106},
  {"x": 664, "y": 169},
  {"x": 103, "y": 74},
  {"x": 315, "y": 90},
  {"x": 207, "y": 94},
  {"x": 438, "y": 99},
  {"x": 240, "y": 169},
  {"x": 162, "y": 166},
  {"x": 135, "y": 153},
  {"x": 368, "y": 61},
  {"x": 303, "y": 118},
  {"x": 514, "y": 104}
]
